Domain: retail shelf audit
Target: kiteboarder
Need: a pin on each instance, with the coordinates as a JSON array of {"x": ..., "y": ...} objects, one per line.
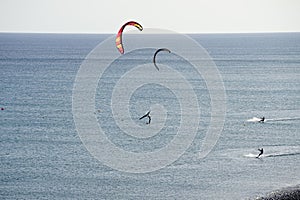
[
  {"x": 147, "y": 115},
  {"x": 262, "y": 119},
  {"x": 261, "y": 151}
]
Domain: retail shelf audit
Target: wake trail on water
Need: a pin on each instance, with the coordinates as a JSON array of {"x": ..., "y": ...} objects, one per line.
[
  {"x": 269, "y": 151},
  {"x": 283, "y": 119},
  {"x": 256, "y": 119},
  {"x": 276, "y": 152},
  {"x": 251, "y": 155}
]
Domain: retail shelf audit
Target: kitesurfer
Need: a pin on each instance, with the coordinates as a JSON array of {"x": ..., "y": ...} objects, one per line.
[
  {"x": 147, "y": 115},
  {"x": 261, "y": 151},
  {"x": 262, "y": 119}
]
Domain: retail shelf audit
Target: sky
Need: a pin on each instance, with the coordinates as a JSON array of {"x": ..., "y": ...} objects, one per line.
[{"x": 183, "y": 16}]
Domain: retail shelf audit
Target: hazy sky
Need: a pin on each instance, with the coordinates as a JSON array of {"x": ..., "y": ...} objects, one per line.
[{"x": 185, "y": 16}]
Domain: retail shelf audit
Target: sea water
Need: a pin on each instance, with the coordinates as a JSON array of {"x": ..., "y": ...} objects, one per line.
[{"x": 43, "y": 157}]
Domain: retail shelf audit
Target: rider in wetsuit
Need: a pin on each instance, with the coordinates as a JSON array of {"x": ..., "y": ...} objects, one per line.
[{"x": 261, "y": 151}]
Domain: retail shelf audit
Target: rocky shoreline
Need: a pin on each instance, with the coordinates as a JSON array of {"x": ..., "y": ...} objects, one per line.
[{"x": 290, "y": 193}]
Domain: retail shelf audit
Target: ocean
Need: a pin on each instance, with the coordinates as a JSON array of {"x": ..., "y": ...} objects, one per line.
[{"x": 50, "y": 148}]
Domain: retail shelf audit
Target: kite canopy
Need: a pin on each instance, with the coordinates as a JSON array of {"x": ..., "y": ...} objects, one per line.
[
  {"x": 119, "y": 43},
  {"x": 154, "y": 57}
]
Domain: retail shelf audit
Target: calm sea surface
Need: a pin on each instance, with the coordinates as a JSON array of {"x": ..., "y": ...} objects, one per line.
[{"x": 43, "y": 157}]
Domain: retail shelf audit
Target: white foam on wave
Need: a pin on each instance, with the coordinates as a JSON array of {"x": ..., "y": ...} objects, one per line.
[
  {"x": 254, "y": 119},
  {"x": 250, "y": 155}
]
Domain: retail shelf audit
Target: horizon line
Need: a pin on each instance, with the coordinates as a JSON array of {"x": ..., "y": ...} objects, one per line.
[{"x": 109, "y": 33}]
